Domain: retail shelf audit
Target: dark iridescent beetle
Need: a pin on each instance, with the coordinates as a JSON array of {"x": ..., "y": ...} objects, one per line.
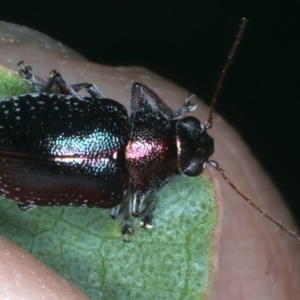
[
  {"x": 72, "y": 150},
  {"x": 64, "y": 149}
]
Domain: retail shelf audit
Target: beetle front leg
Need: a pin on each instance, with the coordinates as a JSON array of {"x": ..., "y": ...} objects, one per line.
[{"x": 186, "y": 107}]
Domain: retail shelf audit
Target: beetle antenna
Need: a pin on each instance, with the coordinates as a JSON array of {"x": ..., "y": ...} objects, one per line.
[
  {"x": 278, "y": 224},
  {"x": 208, "y": 125},
  {"x": 224, "y": 70}
]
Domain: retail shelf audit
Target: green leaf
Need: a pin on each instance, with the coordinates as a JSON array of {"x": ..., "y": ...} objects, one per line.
[
  {"x": 11, "y": 84},
  {"x": 173, "y": 260}
]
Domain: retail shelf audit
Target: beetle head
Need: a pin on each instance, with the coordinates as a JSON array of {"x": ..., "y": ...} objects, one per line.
[{"x": 194, "y": 146}]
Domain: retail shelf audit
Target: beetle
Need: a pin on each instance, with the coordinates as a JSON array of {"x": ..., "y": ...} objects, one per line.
[
  {"x": 59, "y": 148},
  {"x": 65, "y": 149}
]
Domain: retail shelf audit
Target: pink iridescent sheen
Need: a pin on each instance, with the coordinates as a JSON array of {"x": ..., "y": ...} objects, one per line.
[{"x": 141, "y": 149}]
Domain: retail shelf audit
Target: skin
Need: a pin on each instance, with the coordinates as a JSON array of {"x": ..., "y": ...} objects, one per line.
[{"x": 256, "y": 260}]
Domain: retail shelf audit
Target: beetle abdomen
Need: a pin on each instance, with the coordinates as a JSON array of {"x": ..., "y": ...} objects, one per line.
[{"x": 63, "y": 150}]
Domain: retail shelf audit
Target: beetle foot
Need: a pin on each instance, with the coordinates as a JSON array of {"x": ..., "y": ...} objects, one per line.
[
  {"x": 147, "y": 216},
  {"x": 115, "y": 212},
  {"x": 26, "y": 73},
  {"x": 187, "y": 107},
  {"x": 37, "y": 85},
  {"x": 146, "y": 222},
  {"x": 127, "y": 230},
  {"x": 26, "y": 207}
]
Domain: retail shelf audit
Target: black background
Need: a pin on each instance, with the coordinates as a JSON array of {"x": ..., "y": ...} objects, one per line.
[{"x": 187, "y": 42}]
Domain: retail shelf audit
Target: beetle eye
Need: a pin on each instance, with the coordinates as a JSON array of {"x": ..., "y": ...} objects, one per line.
[
  {"x": 194, "y": 170},
  {"x": 192, "y": 122}
]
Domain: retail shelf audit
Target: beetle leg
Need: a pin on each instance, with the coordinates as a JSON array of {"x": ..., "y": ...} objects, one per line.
[
  {"x": 147, "y": 216},
  {"x": 27, "y": 74},
  {"x": 187, "y": 107},
  {"x": 136, "y": 203},
  {"x": 114, "y": 212},
  {"x": 59, "y": 81},
  {"x": 56, "y": 83},
  {"x": 89, "y": 87},
  {"x": 127, "y": 229},
  {"x": 93, "y": 90},
  {"x": 67, "y": 89},
  {"x": 26, "y": 207}
]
